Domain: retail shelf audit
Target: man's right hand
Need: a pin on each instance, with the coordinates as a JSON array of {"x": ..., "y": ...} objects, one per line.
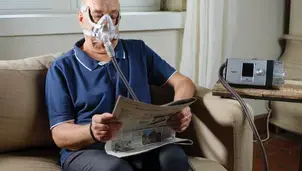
[{"x": 104, "y": 126}]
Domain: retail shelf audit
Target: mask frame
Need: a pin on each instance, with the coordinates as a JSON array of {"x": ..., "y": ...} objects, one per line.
[{"x": 99, "y": 29}]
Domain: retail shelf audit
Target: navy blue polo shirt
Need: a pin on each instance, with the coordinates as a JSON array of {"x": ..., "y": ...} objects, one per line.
[{"x": 77, "y": 86}]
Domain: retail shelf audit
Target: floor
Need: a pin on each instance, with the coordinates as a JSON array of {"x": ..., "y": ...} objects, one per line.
[{"x": 283, "y": 152}]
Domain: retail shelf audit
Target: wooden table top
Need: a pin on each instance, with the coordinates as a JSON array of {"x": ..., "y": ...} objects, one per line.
[{"x": 291, "y": 91}]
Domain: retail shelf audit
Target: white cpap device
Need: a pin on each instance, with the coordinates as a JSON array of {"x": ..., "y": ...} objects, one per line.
[{"x": 254, "y": 73}]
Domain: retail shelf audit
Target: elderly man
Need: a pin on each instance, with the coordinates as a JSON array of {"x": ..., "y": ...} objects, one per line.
[{"x": 82, "y": 87}]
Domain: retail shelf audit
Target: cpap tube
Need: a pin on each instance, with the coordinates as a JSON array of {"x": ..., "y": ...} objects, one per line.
[
  {"x": 246, "y": 113},
  {"x": 110, "y": 51}
]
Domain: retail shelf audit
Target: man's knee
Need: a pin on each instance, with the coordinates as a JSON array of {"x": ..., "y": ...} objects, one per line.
[
  {"x": 115, "y": 165},
  {"x": 95, "y": 160},
  {"x": 172, "y": 157},
  {"x": 110, "y": 163}
]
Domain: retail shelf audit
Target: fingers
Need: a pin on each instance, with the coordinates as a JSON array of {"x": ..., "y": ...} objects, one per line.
[
  {"x": 115, "y": 126},
  {"x": 102, "y": 133},
  {"x": 103, "y": 118},
  {"x": 107, "y": 117},
  {"x": 101, "y": 127},
  {"x": 103, "y": 136},
  {"x": 180, "y": 115},
  {"x": 104, "y": 127},
  {"x": 180, "y": 126},
  {"x": 107, "y": 127},
  {"x": 180, "y": 121},
  {"x": 177, "y": 116}
]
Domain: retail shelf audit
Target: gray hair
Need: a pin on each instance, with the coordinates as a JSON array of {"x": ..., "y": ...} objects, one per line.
[{"x": 83, "y": 3}]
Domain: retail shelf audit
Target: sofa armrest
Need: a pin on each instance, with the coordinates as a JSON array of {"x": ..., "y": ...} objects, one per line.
[{"x": 222, "y": 133}]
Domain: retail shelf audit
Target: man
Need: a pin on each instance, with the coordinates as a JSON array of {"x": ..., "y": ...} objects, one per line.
[{"x": 82, "y": 87}]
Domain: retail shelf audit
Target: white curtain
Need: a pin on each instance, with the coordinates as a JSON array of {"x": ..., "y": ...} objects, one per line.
[{"x": 208, "y": 35}]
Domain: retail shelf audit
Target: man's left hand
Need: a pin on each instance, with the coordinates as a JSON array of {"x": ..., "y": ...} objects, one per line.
[{"x": 181, "y": 121}]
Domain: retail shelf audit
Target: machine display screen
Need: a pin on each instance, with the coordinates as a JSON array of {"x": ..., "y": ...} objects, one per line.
[{"x": 248, "y": 69}]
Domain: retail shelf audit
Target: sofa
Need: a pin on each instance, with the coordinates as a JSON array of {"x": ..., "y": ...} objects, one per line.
[{"x": 223, "y": 140}]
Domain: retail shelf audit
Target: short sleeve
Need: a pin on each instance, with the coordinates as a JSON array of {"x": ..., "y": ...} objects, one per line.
[
  {"x": 159, "y": 71},
  {"x": 58, "y": 101}
]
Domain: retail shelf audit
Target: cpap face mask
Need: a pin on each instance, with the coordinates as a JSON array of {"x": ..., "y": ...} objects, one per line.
[{"x": 104, "y": 30}]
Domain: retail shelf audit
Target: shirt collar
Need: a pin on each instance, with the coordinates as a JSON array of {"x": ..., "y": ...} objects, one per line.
[{"x": 90, "y": 63}]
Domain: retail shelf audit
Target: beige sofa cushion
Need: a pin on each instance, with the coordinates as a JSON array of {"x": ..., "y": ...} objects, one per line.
[
  {"x": 201, "y": 164},
  {"x": 32, "y": 160},
  {"x": 45, "y": 160},
  {"x": 23, "y": 117}
]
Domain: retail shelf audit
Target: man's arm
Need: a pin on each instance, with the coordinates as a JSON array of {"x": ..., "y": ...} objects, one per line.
[
  {"x": 183, "y": 86},
  {"x": 161, "y": 73},
  {"x": 73, "y": 136},
  {"x": 61, "y": 114}
]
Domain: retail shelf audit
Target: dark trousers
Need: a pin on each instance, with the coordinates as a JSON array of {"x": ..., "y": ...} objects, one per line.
[{"x": 167, "y": 158}]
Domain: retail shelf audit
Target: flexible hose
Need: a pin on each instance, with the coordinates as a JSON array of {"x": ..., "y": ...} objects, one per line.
[
  {"x": 246, "y": 112},
  {"x": 111, "y": 54},
  {"x": 124, "y": 79}
]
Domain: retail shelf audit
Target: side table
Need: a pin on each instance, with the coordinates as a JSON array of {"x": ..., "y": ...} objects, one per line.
[{"x": 291, "y": 91}]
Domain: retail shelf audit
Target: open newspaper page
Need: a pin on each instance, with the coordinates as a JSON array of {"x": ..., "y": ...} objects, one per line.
[{"x": 144, "y": 126}]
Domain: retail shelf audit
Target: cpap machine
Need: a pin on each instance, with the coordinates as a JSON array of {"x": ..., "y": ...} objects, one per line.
[{"x": 254, "y": 73}]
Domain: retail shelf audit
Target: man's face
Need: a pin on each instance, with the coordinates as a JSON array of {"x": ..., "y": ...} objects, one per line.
[{"x": 97, "y": 9}]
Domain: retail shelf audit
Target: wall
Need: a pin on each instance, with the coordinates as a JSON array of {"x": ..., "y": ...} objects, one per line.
[
  {"x": 166, "y": 43},
  {"x": 260, "y": 24},
  {"x": 57, "y": 33},
  {"x": 259, "y": 27}
]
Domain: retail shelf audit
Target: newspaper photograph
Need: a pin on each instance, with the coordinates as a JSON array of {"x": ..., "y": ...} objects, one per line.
[{"x": 144, "y": 126}]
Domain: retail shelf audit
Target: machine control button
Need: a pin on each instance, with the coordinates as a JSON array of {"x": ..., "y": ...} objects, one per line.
[{"x": 260, "y": 72}]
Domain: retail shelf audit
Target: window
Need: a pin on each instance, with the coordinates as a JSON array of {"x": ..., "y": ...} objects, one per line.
[
  {"x": 140, "y": 5},
  {"x": 17, "y": 6}
]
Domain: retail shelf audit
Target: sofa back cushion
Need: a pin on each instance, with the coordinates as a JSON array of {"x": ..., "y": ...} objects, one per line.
[{"x": 23, "y": 117}]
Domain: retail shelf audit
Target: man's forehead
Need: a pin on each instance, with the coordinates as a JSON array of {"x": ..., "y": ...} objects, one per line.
[{"x": 103, "y": 5}]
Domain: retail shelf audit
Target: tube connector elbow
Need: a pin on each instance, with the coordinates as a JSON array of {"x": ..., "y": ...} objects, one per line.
[{"x": 108, "y": 45}]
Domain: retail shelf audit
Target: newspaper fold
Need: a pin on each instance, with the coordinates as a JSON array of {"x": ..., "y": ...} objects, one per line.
[{"x": 144, "y": 126}]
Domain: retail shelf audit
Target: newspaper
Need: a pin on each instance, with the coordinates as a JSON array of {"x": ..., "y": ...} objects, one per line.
[{"x": 144, "y": 126}]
